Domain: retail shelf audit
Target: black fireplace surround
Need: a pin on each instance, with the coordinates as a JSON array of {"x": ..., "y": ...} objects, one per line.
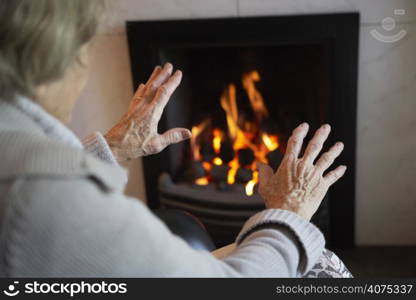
[{"x": 308, "y": 65}]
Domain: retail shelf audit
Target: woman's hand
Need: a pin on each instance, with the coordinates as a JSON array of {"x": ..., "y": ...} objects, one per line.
[
  {"x": 136, "y": 134},
  {"x": 299, "y": 185}
]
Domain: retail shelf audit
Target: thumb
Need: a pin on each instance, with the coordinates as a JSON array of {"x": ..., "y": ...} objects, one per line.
[
  {"x": 174, "y": 136},
  {"x": 265, "y": 173}
]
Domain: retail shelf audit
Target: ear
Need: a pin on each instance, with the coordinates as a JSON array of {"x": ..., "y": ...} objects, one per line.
[{"x": 84, "y": 55}]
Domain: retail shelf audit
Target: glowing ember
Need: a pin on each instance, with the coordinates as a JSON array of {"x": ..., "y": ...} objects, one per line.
[
  {"x": 202, "y": 181},
  {"x": 217, "y": 161},
  {"x": 207, "y": 166}
]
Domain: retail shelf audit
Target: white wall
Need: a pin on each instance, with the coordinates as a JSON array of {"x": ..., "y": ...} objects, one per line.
[{"x": 386, "y": 174}]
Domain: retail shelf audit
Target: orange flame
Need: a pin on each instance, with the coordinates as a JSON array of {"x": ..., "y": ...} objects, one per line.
[
  {"x": 246, "y": 136},
  {"x": 196, "y": 132},
  {"x": 256, "y": 99},
  {"x": 207, "y": 166},
  {"x": 216, "y": 142},
  {"x": 271, "y": 141},
  {"x": 251, "y": 184},
  {"x": 234, "y": 165},
  {"x": 202, "y": 181},
  {"x": 229, "y": 105}
]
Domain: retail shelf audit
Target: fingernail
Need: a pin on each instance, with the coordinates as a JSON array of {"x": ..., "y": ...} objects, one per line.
[
  {"x": 344, "y": 167},
  {"x": 303, "y": 125},
  {"x": 186, "y": 134},
  {"x": 340, "y": 144},
  {"x": 326, "y": 126},
  {"x": 178, "y": 72}
]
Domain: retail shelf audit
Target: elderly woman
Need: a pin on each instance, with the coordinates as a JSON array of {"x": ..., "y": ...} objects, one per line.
[{"x": 63, "y": 211}]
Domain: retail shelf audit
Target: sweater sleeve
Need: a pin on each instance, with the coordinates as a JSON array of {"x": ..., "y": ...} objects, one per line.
[
  {"x": 81, "y": 230},
  {"x": 96, "y": 145}
]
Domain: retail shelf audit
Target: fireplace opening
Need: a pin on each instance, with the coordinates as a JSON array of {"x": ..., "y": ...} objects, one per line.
[
  {"x": 245, "y": 88},
  {"x": 244, "y": 103}
]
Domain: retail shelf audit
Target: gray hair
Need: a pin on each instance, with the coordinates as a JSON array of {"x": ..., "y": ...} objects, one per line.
[{"x": 40, "y": 39}]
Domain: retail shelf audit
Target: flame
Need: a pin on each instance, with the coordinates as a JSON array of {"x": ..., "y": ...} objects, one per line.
[
  {"x": 207, "y": 166},
  {"x": 216, "y": 141},
  {"x": 234, "y": 165},
  {"x": 271, "y": 141},
  {"x": 202, "y": 181},
  {"x": 256, "y": 99},
  {"x": 251, "y": 184},
  {"x": 242, "y": 136},
  {"x": 229, "y": 105},
  {"x": 196, "y": 131},
  {"x": 217, "y": 161}
]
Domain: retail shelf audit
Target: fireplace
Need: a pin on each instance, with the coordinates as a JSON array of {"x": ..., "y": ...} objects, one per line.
[{"x": 247, "y": 83}]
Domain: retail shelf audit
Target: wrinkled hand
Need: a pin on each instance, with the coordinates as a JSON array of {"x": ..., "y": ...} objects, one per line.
[
  {"x": 299, "y": 185},
  {"x": 136, "y": 134}
]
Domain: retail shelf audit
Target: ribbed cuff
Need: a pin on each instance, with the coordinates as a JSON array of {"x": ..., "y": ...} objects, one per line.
[
  {"x": 96, "y": 145},
  {"x": 309, "y": 236}
]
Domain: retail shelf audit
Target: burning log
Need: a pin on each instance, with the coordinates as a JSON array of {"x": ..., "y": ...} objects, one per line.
[
  {"x": 226, "y": 152},
  {"x": 244, "y": 175},
  {"x": 207, "y": 152},
  {"x": 275, "y": 158},
  {"x": 219, "y": 173},
  {"x": 245, "y": 157},
  {"x": 195, "y": 171}
]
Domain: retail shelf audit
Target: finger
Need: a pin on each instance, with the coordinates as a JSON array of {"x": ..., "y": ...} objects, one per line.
[
  {"x": 294, "y": 144},
  {"x": 173, "y": 136},
  {"x": 312, "y": 150},
  {"x": 328, "y": 158},
  {"x": 157, "y": 81},
  {"x": 139, "y": 92},
  {"x": 316, "y": 143},
  {"x": 335, "y": 175},
  {"x": 165, "y": 91},
  {"x": 265, "y": 173},
  {"x": 155, "y": 72}
]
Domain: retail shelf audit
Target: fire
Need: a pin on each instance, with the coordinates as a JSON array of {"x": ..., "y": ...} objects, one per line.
[
  {"x": 229, "y": 105},
  {"x": 195, "y": 146},
  {"x": 256, "y": 99},
  {"x": 207, "y": 166},
  {"x": 217, "y": 161},
  {"x": 202, "y": 181},
  {"x": 247, "y": 135},
  {"x": 251, "y": 184},
  {"x": 270, "y": 141},
  {"x": 234, "y": 165},
  {"x": 216, "y": 141}
]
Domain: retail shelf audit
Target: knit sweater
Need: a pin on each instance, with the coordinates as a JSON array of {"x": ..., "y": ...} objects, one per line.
[{"x": 63, "y": 213}]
